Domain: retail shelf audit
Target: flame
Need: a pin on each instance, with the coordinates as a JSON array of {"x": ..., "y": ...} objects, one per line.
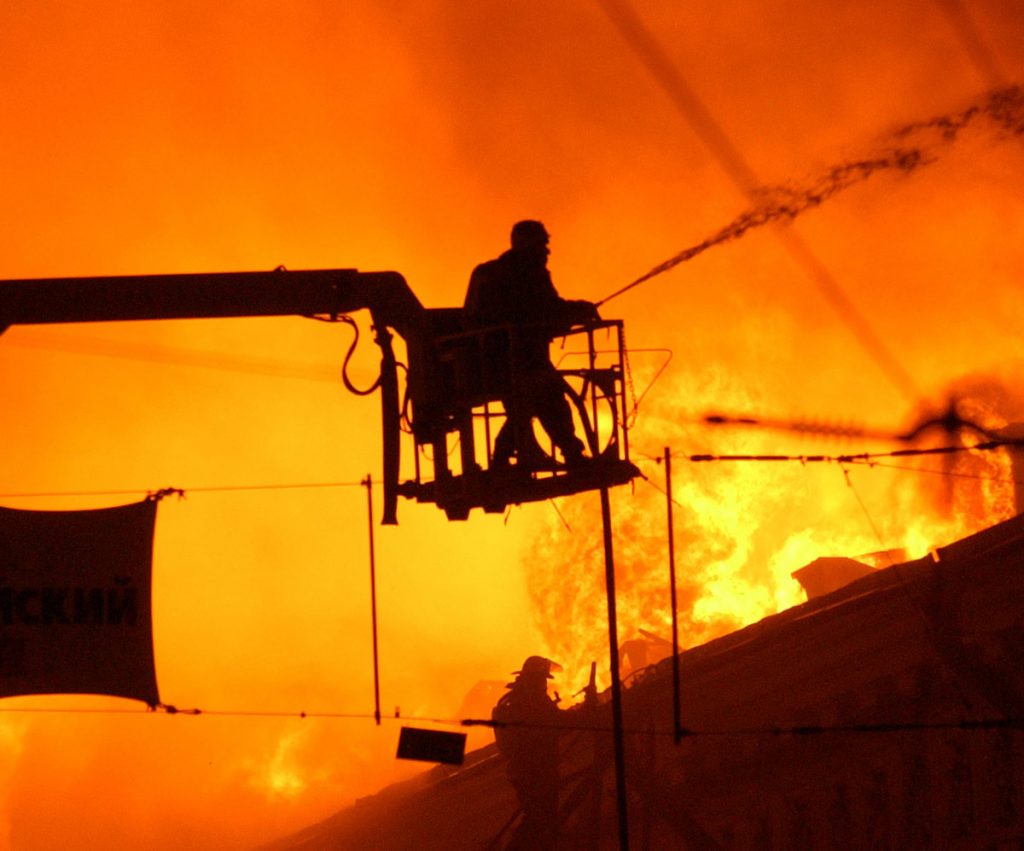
[
  {"x": 743, "y": 528},
  {"x": 186, "y": 137},
  {"x": 282, "y": 775}
]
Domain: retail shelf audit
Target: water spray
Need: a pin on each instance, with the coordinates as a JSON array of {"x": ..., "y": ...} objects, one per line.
[{"x": 906, "y": 150}]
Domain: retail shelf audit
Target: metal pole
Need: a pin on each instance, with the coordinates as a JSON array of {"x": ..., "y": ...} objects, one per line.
[
  {"x": 613, "y": 652},
  {"x": 676, "y": 710},
  {"x": 373, "y": 599}
]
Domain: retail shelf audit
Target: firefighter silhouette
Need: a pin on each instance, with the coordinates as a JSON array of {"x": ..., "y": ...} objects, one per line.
[
  {"x": 516, "y": 290},
  {"x": 528, "y": 725}
]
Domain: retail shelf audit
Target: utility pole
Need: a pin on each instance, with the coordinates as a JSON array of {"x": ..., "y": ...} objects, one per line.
[
  {"x": 613, "y": 653},
  {"x": 368, "y": 484},
  {"x": 676, "y": 710}
]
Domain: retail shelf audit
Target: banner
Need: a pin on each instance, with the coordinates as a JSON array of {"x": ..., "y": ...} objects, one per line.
[{"x": 75, "y": 602}]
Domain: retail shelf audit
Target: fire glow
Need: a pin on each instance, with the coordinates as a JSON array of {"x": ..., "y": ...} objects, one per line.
[
  {"x": 187, "y": 138},
  {"x": 743, "y": 528}
]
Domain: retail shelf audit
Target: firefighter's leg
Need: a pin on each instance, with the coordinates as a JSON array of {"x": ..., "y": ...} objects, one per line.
[
  {"x": 516, "y": 436},
  {"x": 504, "y": 444},
  {"x": 555, "y": 415}
]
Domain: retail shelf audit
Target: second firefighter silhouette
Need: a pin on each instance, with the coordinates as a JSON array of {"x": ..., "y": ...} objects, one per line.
[
  {"x": 515, "y": 292},
  {"x": 527, "y": 728}
]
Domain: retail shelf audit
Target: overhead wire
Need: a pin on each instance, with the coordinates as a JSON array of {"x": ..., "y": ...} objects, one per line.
[
  {"x": 561, "y": 516},
  {"x": 202, "y": 359},
  {"x": 860, "y": 457},
  {"x": 780, "y": 730},
  {"x": 949, "y": 473},
  {"x": 185, "y": 491},
  {"x": 981, "y": 56},
  {"x": 774, "y": 730},
  {"x": 643, "y": 43},
  {"x": 863, "y": 507},
  {"x": 173, "y": 355},
  {"x": 869, "y": 459},
  {"x": 916, "y": 605},
  {"x": 842, "y": 461},
  {"x": 655, "y": 485}
]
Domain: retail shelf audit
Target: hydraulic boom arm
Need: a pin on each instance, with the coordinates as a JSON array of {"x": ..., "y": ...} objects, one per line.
[
  {"x": 387, "y": 296},
  {"x": 204, "y": 296}
]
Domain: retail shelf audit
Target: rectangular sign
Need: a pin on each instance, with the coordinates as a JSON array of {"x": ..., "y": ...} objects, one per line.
[
  {"x": 75, "y": 602},
  {"x": 432, "y": 745}
]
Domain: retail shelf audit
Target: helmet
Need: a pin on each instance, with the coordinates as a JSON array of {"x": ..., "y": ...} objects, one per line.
[
  {"x": 529, "y": 232},
  {"x": 539, "y": 666}
]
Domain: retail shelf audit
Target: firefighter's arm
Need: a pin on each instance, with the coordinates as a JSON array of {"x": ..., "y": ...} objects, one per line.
[{"x": 580, "y": 312}]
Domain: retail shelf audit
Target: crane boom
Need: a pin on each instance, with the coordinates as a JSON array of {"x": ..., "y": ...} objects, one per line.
[
  {"x": 215, "y": 295},
  {"x": 236, "y": 294}
]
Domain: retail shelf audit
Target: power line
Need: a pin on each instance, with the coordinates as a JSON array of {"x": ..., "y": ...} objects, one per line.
[
  {"x": 863, "y": 507},
  {"x": 687, "y": 732},
  {"x": 867, "y": 459},
  {"x": 168, "y": 709},
  {"x": 949, "y": 473},
  {"x": 643, "y": 43},
  {"x": 859, "y": 458},
  {"x": 175, "y": 356},
  {"x": 915, "y": 604},
  {"x": 984, "y": 59},
  {"x": 656, "y": 486},
  {"x": 181, "y": 492},
  {"x": 779, "y": 730}
]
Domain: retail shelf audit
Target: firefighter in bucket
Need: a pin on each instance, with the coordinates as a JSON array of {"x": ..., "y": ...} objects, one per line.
[{"x": 515, "y": 291}]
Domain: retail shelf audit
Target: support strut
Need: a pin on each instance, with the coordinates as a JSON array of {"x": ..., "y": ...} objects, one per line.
[{"x": 613, "y": 653}]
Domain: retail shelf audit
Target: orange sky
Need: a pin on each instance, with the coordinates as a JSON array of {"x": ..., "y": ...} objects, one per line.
[{"x": 175, "y": 137}]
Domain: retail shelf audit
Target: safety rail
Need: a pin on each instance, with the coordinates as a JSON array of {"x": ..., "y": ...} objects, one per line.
[{"x": 480, "y": 371}]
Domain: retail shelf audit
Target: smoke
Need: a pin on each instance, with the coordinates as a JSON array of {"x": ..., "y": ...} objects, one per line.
[
  {"x": 992, "y": 401},
  {"x": 742, "y": 528},
  {"x": 160, "y": 137},
  {"x": 922, "y": 144}
]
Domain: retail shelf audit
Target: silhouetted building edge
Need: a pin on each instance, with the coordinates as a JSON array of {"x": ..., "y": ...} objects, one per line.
[{"x": 886, "y": 713}]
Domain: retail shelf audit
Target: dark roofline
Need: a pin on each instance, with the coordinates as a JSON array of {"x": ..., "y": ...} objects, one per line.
[{"x": 992, "y": 542}]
